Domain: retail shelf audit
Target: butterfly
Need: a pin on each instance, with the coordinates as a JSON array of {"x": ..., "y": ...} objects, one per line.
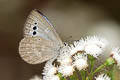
[{"x": 41, "y": 41}]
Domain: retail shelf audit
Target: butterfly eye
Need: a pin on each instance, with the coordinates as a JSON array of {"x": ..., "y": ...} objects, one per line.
[
  {"x": 34, "y": 33},
  {"x": 34, "y": 28}
]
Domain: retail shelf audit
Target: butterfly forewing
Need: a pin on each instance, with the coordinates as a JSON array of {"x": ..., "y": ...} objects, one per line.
[
  {"x": 38, "y": 25},
  {"x": 36, "y": 50}
]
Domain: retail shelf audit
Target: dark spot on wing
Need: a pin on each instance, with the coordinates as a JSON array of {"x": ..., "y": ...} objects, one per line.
[
  {"x": 43, "y": 16},
  {"x": 35, "y": 23},
  {"x": 34, "y": 28},
  {"x": 34, "y": 33}
]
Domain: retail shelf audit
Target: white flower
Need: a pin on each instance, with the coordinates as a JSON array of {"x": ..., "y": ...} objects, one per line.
[
  {"x": 77, "y": 46},
  {"x": 103, "y": 77},
  {"x": 94, "y": 45},
  {"x": 52, "y": 77},
  {"x": 65, "y": 58},
  {"x": 91, "y": 45},
  {"x": 66, "y": 61},
  {"x": 116, "y": 55},
  {"x": 49, "y": 69},
  {"x": 80, "y": 61},
  {"x": 36, "y": 78},
  {"x": 66, "y": 70}
]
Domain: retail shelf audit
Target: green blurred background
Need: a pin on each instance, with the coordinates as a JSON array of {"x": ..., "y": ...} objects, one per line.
[{"x": 71, "y": 18}]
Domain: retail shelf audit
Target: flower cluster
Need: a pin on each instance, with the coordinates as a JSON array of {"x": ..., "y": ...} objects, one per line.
[
  {"x": 90, "y": 45},
  {"x": 78, "y": 57},
  {"x": 74, "y": 56},
  {"x": 50, "y": 70},
  {"x": 103, "y": 77}
]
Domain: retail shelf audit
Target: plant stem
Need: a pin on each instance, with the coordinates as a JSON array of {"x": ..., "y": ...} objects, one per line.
[
  {"x": 74, "y": 76},
  {"x": 83, "y": 74},
  {"x": 92, "y": 65},
  {"x": 112, "y": 72},
  {"x": 110, "y": 61},
  {"x": 92, "y": 62},
  {"x": 87, "y": 78},
  {"x": 97, "y": 70}
]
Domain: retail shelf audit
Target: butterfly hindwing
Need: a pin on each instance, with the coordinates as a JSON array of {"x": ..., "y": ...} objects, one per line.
[{"x": 36, "y": 50}]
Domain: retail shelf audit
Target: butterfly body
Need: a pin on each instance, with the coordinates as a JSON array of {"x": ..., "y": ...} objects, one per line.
[{"x": 40, "y": 42}]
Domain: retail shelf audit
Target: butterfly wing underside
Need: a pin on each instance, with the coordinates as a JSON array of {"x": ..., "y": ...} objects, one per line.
[
  {"x": 38, "y": 25},
  {"x": 40, "y": 42},
  {"x": 36, "y": 50}
]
